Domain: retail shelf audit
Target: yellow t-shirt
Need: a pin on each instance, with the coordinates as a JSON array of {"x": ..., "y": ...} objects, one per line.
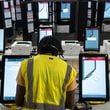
[{"x": 48, "y": 76}]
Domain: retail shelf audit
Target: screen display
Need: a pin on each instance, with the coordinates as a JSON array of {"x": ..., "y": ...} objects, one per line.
[
  {"x": 43, "y": 10},
  {"x": 1, "y": 40},
  {"x": 65, "y": 10},
  {"x": 44, "y": 32},
  {"x": 11, "y": 68},
  {"x": 93, "y": 77},
  {"x": 107, "y": 10},
  {"x": 91, "y": 39}
]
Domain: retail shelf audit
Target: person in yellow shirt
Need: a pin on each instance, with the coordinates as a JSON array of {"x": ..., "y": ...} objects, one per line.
[{"x": 45, "y": 81}]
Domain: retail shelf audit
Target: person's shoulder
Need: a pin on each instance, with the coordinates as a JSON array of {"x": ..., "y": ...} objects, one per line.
[
  {"x": 25, "y": 61},
  {"x": 61, "y": 60}
]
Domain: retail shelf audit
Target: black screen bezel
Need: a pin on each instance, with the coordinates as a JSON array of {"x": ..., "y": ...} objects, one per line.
[
  {"x": 92, "y": 49},
  {"x": 65, "y": 19},
  {"x": 107, "y": 18},
  {"x": 44, "y": 28},
  {"x": 81, "y": 98},
  {"x": 43, "y": 20},
  {"x": 3, "y": 74},
  {"x": 2, "y": 51}
]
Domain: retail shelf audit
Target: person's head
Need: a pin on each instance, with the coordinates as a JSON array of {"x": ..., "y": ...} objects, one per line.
[{"x": 50, "y": 45}]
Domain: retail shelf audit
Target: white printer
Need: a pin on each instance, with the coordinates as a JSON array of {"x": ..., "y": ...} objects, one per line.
[
  {"x": 106, "y": 46},
  {"x": 71, "y": 47},
  {"x": 21, "y": 48}
]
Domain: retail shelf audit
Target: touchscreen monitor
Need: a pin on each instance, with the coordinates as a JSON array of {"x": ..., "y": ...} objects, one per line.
[
  {"x": 2, "y": 41},
  {"x": 11, "y": 65},
  {"x": 43, "y": 12},
  {"x": 91, "y": 42},
  {"x": 107, "y": 10},
  {"x": 65, "y": 11},
  {"x": 93, "y": 77},
  {"x": 44, "y": 31}
]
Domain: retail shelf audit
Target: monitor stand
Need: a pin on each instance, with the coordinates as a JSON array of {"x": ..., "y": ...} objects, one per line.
[{"x": 82, "y": 106}]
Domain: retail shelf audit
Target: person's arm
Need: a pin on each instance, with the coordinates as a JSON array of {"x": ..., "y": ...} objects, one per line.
[
  {"x": 70, "y": 94},
  {"x": 20, "y": 91},
  {"x": 70, "y": 99}
]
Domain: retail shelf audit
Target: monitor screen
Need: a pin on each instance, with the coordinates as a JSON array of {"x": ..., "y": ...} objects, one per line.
[
  {"x": 43, "y": 12},
  {"x": 93, "y": 77},
  {"x": 107, "y": 10},
  {"x": 2, "y": 41},
  {"x": 91, "y": 42},
  {"x": 11, "y": 65},
  {"x": 65, "y": 11},
  {"x": 45, "y": 31}
]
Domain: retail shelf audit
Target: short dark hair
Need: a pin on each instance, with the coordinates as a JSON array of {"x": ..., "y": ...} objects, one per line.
[{"x": 50, "y": 44}]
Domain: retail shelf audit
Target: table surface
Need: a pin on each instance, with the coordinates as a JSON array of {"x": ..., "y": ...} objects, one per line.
[{"x": 105, "y": 106}]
